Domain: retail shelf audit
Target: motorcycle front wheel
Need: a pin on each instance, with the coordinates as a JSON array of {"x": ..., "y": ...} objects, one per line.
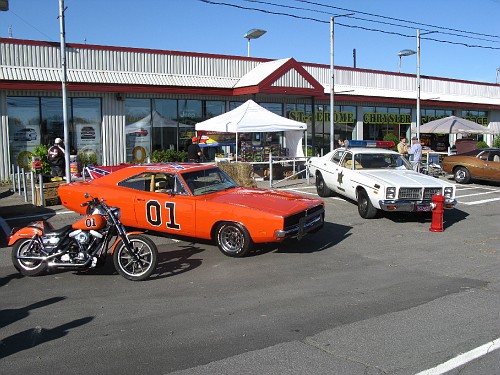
[
  {"x": 139, "y": 265},
  {"x": 28, "y": 248}
]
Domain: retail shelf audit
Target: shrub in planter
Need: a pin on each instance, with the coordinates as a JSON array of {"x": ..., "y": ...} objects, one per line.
[
  {"x": 42, "y": 151},
  {"x": 166, "y": 156},
  {"x": 482, "y": 144}
]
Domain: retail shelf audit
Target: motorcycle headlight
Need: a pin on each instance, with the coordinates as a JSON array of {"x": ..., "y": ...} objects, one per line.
[
  {"x": 448, "y": 192},
  {"x": 390, "y": 193},
  {"x": 93, "y": 210},
  {"x": 117, "y": 213}
]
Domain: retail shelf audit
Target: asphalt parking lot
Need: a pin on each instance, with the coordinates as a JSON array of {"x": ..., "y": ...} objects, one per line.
[{"x": 359, "y": 297}]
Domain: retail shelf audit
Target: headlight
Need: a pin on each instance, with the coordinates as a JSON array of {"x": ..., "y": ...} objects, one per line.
[
  {"x": 117, "y": 213},
  {"x": 390, "y": 193},
  {"x": 448, "y": 192}
]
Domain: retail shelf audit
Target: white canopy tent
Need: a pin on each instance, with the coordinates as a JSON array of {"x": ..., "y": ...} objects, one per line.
[
  {"x": 252, "y": 118},
  {"x": 454, "y": 125}
]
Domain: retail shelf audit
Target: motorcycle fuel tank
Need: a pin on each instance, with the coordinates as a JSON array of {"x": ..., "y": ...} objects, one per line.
[{"x": 95, "y": 222}]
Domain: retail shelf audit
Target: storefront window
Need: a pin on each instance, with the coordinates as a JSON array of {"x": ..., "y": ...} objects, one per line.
[
  {"x": 378, "y": 122},
  {"x": 86, "y": 129},
  {"x": 24, "y": 128},
  {"x": 214, "y": 108},
  {"x": 52, "y": 119},
  {"x": 165, "y": 125},
  {"x": 189, "y": 113},
  {"x": 138, "y": 129},
  {"x": 428, "y": 115}
]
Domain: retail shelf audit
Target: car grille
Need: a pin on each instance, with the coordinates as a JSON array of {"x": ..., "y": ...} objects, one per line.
[
  {"x": 293, "y": 220},
  {"x": 416, "y": 193},
  {"x": 410, "y": 193},
  {"x": 429, "y": 192}
]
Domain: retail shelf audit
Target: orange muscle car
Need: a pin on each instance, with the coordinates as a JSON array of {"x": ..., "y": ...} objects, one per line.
[
  {"x": 481, "y": 164},
  {"x": 200, "y": 201}
]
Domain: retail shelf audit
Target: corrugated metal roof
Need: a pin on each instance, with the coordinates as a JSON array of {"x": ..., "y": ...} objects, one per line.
[
  {"x": 114, "y": 77},
  {"x": 260, "y": 72}
]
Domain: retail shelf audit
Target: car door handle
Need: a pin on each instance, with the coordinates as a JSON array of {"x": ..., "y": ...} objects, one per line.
[
  {"x": 486, "y": 165},
  {"x": 141, "y": 199}
]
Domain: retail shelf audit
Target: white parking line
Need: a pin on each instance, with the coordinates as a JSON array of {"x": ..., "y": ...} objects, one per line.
[
  {"x": 480, "y": 202},
  {"x": 462, "y": 359},
  {"x": 38, "y": 215},
  {"x": 473, "y": 195}
]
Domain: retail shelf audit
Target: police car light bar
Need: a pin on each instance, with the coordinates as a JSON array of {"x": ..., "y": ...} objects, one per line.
[{"x": 379, "y": 144}]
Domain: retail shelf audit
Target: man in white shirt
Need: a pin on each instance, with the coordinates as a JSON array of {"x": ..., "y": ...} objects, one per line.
[{"x": 415, "y": 153}]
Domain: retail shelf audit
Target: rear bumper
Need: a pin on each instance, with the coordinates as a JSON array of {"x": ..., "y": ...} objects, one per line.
[{"x": 413, "y": 206}]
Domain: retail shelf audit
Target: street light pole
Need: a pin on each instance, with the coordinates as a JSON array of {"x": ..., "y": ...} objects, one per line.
[
  {"x": 332, "y": 84},
  {"x": 253, "y": 34},
  {"x": 419, "y": 115},
  {"x": 64, "y": 95}
]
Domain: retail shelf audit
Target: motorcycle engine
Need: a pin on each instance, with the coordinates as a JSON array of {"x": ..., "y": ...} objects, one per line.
[
  {"x": 82, "y": 237},
  {"x": 50, "y": 241}
]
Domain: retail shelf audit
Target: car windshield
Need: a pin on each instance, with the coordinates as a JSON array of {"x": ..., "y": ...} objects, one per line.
[
  {"x": 208, "y": 181},
  {"x": 381, "y": 161}
]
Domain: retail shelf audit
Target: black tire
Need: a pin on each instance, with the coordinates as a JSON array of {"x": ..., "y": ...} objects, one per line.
[
  {"x": 321, "y": 188},
  {"x": 28, "y": 267},
  {"x": 142, "y": 265},
  {"x": 233, "y": 239},
  {"x": 365, "y": 206},
  {"x": 462, "y": 175}
]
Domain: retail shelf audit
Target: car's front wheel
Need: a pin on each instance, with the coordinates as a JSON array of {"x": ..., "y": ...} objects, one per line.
[
  {"x": 365, "y": 206},
  {"x": 321, "y": 188},
  {"x": 462, "y": 175},
  {"x": 233, "y": 239}
]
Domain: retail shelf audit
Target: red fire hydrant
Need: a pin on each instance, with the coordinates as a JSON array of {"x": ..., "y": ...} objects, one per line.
[{"x": 437, "y": 206}]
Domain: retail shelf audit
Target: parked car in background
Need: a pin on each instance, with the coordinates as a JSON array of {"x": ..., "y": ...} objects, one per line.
[
  {"x": 377, "y": 179},
  {"x": 480, "y": 164},
  {"x": 200, "y": 201},
  {"x": 88, "y": 132}
]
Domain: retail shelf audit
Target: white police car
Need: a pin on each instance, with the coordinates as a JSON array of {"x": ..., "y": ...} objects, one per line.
[{"x": 377, "y": 179}]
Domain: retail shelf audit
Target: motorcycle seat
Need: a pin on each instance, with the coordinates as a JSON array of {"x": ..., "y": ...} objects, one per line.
[{"x": 58, "y": 232}]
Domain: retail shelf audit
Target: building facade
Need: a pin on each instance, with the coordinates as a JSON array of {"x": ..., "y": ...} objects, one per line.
[{"x": 124, "y": 103}]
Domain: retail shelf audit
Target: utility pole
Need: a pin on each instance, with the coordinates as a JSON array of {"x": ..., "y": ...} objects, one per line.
[{"x": 64, "y": 94}]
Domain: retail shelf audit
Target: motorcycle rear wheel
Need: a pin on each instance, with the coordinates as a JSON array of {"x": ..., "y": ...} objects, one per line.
[
  {"x": 25, "y": 266},
  {"x": 136, "y": 269}
]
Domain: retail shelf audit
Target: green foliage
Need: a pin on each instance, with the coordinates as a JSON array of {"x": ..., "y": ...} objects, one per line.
[
  {"x": 482, "y": 144},
  {"x": 87, "y": 158},
  {"x": 165, "y": 156},
  {"x": 42, "y": 151},
  {"x": 394, "y": 138},
  {"x": 496, "y": 142}
]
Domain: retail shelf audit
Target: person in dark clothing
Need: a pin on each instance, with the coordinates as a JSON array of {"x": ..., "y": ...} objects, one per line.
[
  {"x": 56, "y": 158},
  {"x": 194, "y": 151}
]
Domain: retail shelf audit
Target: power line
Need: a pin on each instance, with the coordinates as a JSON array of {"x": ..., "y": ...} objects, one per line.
[
  {"x": 395, "y": 19},
  {"x": 370, "y": 20},
  {"x": 344, "y": 25}
]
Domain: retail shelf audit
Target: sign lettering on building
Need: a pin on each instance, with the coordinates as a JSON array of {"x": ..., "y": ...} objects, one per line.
[
  {"x": 321, "y": 116},
  {"x": 386, "y": 118}
]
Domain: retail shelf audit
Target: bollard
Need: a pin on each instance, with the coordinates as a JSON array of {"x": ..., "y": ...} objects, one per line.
[
  {"x": 437, "y": 213},
  {"x": 33, "y": 181},
  {"x": 18, "y": 180},
  {"x": 23, "y": 178},
  {"x": 40, "y": 179},
  {"x": 13, "y": 178}
]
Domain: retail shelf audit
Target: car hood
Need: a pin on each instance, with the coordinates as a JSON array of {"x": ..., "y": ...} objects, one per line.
[
  {"x": 402, "y": 178},
  {"x": 276, "y": 202}
]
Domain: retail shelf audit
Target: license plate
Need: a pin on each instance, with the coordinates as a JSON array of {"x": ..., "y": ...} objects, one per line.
[{"x": 423, "y": 208}]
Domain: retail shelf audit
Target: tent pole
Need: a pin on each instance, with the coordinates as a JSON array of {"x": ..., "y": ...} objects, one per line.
[{"x": 236, "y": 154}]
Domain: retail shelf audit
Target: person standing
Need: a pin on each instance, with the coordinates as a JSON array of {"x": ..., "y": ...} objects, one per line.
[
  {"x": 194, "y": 151},
  {"x": 57, "y": 159},
  {"x": 415, "y": 153},
  {"x": 402, "y": 146}
]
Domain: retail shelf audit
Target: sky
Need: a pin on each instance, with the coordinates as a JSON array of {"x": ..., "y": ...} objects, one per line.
[{"x": 301, "y": 30}]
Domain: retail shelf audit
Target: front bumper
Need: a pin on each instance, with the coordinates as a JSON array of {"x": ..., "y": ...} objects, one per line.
[
  {"x": 306, "y": 224},
  {"x": 413, "y": 206}
]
